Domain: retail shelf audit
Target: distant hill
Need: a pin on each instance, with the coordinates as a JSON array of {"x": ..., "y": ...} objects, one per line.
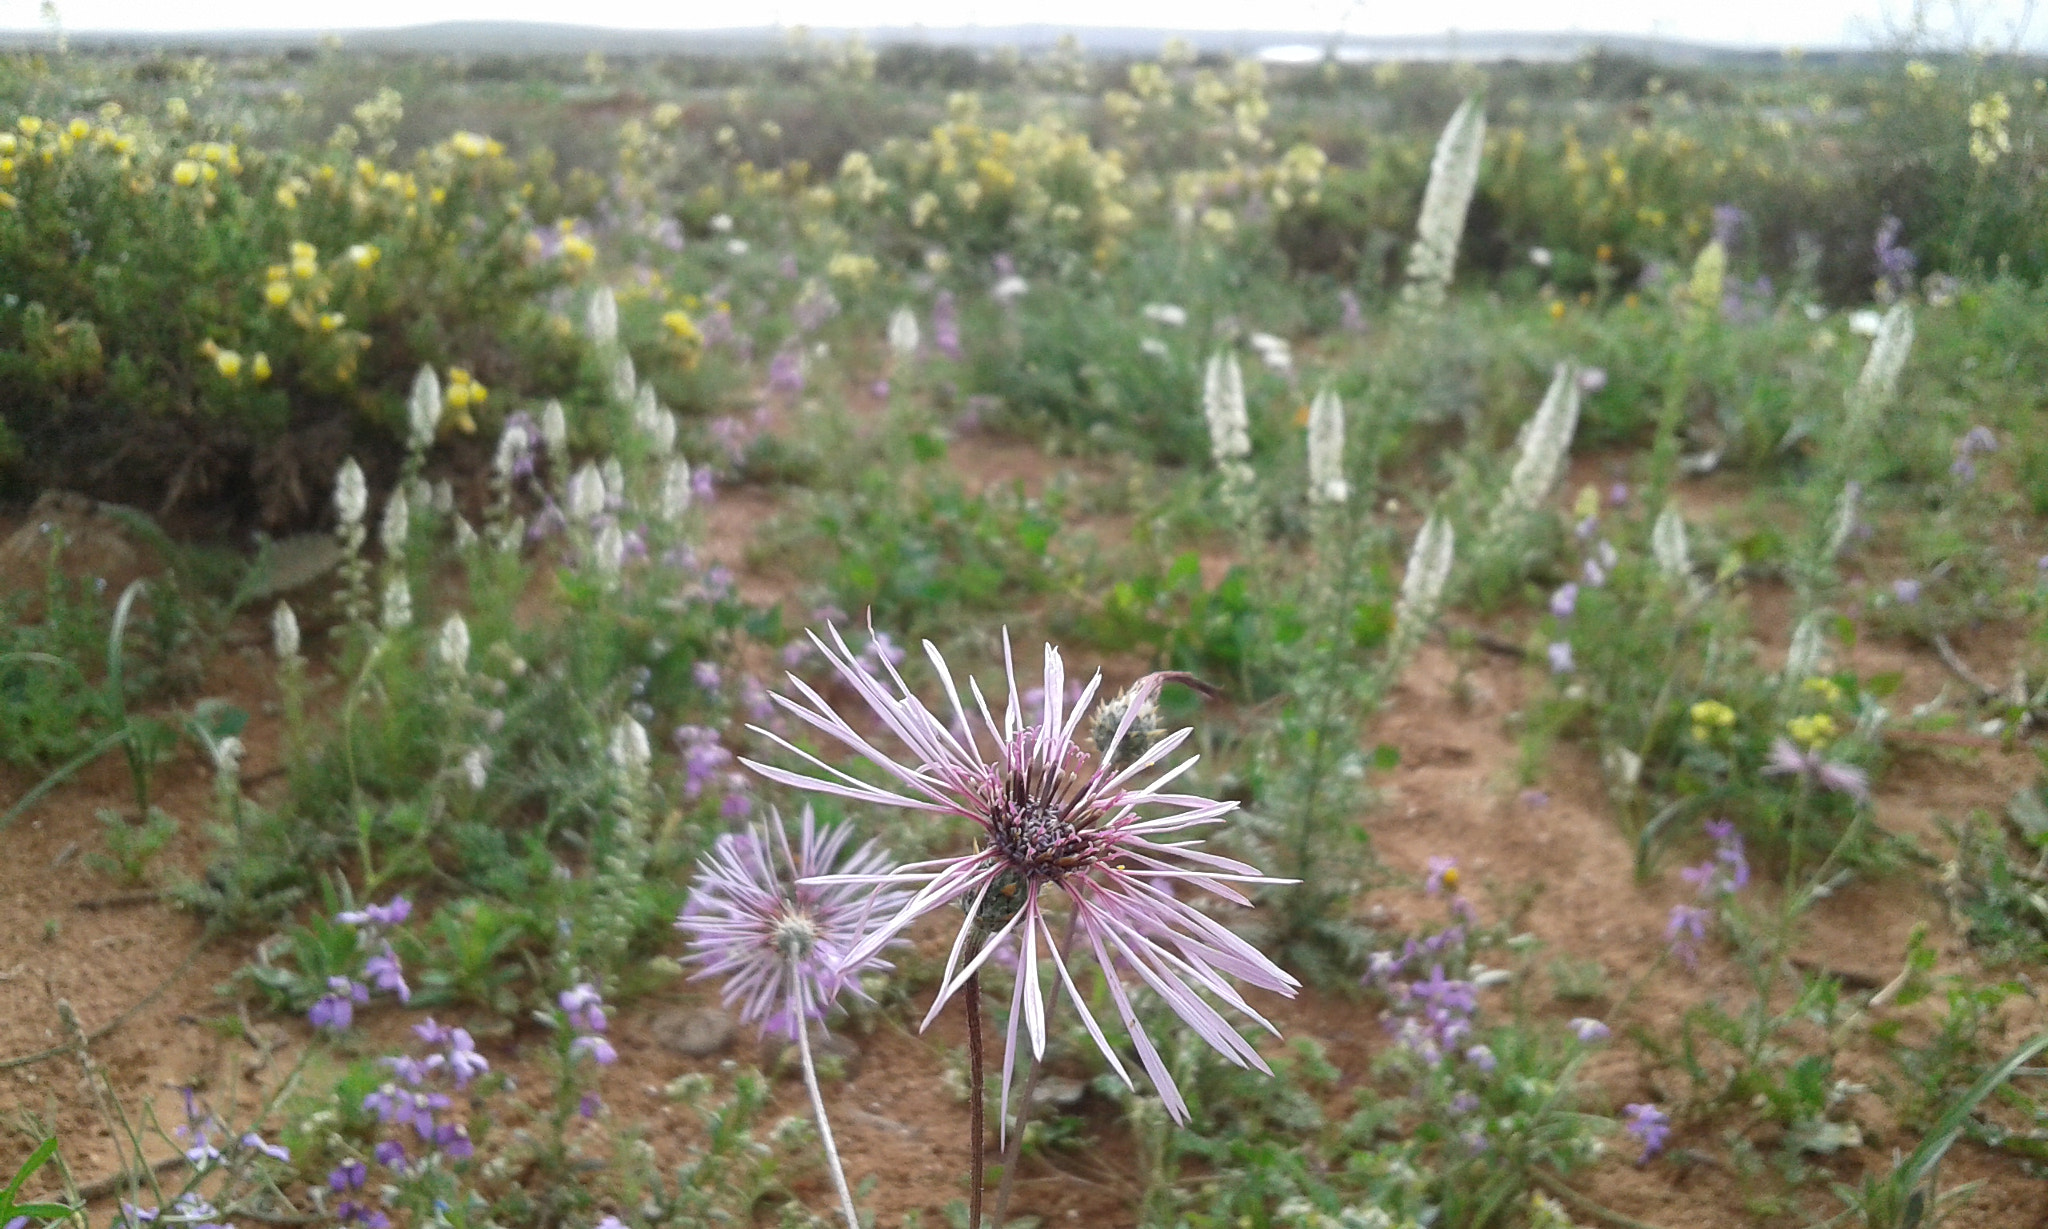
[{"x": 536, "y": 38}]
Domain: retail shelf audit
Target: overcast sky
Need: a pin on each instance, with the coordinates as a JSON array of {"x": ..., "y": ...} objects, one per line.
[{"x": 1808, "y": 23}]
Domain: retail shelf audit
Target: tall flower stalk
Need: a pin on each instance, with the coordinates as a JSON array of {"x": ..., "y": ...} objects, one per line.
[{"x": 1453, "y": 176}]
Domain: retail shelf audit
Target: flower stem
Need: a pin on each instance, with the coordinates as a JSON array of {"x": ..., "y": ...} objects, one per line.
[
  {"x": 803, "y": 1049},
  {"x": 976, "y": 1127},
  {"x": 1013, "y": 1147}
]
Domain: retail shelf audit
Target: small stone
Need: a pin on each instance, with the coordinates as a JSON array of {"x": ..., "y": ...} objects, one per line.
[
  {"x": 694, "y": 1032},
  {"x": 1059, "y": 1092}
]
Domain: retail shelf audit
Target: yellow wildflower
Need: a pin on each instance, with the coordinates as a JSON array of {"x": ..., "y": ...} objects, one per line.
[
  {"x": 680, "y": 324},
  {"x": 363, "y": 255},
  {"x": 330, "y": 321},
  {"x": 1557, "y": 309},
  {"x": 277, "y": 294},
  {"x": 579, "y": 250},
  {"x": 185, "y": 173},
  {"x": 286, "y": 197},
  {"x": 468, "y": 144},
  {"x": 259, "y": 367},
  {"x": 29, "y": 125},
  {"x": 228, "y": 363},
  {"x": 79, "y": 130},
  {"x": 1826, "y": 688},
  {"x": 305, "y": 259},
  {"x": 1709, "y": 716},
  {"x": 1813, "y": 732},
  {"x": 7, "y": 200}
]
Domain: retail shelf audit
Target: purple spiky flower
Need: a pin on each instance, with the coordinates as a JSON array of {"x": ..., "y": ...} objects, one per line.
[
  {"x": 1787, "y": 760},
  {"x": 783, "y": 944},
  {"x": 1053, "y": 814}
]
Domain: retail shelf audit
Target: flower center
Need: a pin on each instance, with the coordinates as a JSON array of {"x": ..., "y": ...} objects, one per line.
[
  {"x": 1036, "y": 820},
  {"x": 794, "y": 936}
]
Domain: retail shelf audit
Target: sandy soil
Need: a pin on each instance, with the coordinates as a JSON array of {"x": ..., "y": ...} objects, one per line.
[{"x": 69, "y": 934}]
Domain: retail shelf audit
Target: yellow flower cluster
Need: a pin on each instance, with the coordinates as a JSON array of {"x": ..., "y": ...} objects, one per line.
[
  {"x": 684, "y": 332},
  {"x": 464, "y": 391},
  {"x": 851, "y": 267},
  {"x": 1710, "y": 717},
  {"x": 1813, "y": 732},
  {"x": 1827, "y": 689},
  {"x": 1989, "y": 140},
  {"x": 229, "y": 364},
  {"x": 965, "y": 176}
]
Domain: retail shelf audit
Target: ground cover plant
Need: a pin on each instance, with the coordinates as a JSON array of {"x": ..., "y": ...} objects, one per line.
[{"x": 883, "y": 637}]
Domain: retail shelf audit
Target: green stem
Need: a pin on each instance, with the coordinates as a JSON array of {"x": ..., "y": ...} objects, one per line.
[
  {"x": 976, "y": 1110},
  {"x": 803, "y": 1049}
]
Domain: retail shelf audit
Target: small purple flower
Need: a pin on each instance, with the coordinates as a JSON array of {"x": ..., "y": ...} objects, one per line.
[
  {"x": 1353, "y": 320},
  {"x": 348, "y": 1176},
  {"x": 596, "y": 1047},
  {"x": 589, "y": 1105},
  {"x": 390, "y": 914},
  {"x": 255, "y": 1143},
  {"x": 1978, "y": 439},
  {"x": 1685, "y": 931},
  {"x": 464, "y": 1063},
  {"x": 1560, "y": 652},
  {"x": 1442, "y": 873},
  {"x": 1592, "y": 379},
  {"x": 1728, "y": 222},
  {"x": 946, "y": 325},
  {"x": 611, "y": 1222},
  {"x": 584, "y": 1006},
  {"x": 1535, "y": 799},
  {"x": 337, "y": 1009},
  {"x": 1594, "y": 574},
  {"x": 1906, "y": 591},
  {"x": 786, "y": 372},
  {"x": 1617, "y": 495},
  {"x": 1482, "y": 1058},
  {"x": 1588, "y": 1030},
  {"x": 1466, "y": 1101},
  {"x": 1565, "y": 600},
  {"x": 390, "y": 1154},
  {"x": 1895, "y": 262},
  {"x": 1651, "y": 1127},
  {"x": 384, "y": 972}
]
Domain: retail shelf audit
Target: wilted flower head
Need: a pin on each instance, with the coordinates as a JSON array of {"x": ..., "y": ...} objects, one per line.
[
  {"x": 1326, "y": 481},
  {"x": 397, "y": 604},
  {"x": 1453, "y": 176},
  {"x": 675, "y": 490},
  {"x": 903, "y": 333},
  {"x": 1273, "y": 351},
  {"x": 608, "y": 552},
  {"x": 1223, "y": 405},
  {"x": 586, "y": 493},
  {"x": 454, "y": 643},
  {"x": 423, "y": 408},
  {"x": 780, "y": 942},
  {"x": 1054, "y": 816},
  {"x": 284, "y": 632},
  {"x": 629, "y": 749},
  {"x": 397, "y": 523},
  {"x": 351, "y": 493},
  {"x": 514, "y": 449},
  {"x": 554, "y": 432},
  {"x": 601, "y": 318}
]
